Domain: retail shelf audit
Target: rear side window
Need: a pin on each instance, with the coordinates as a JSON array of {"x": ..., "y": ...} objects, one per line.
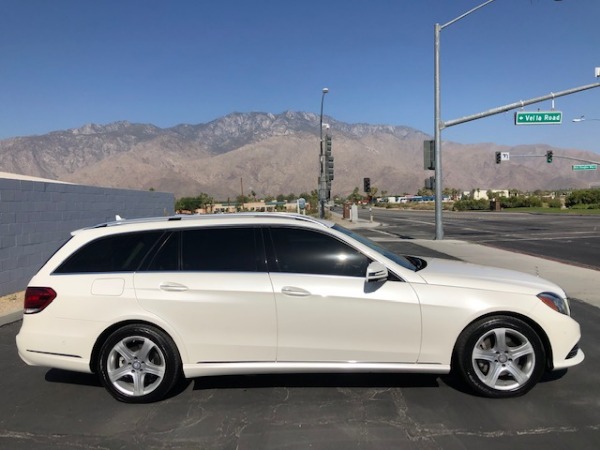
[
  {"x": 228, "y": 249},
  {"x": 167, "y": 256},
  {"x": 118, "y": 253},
  {"x": 220, "y": 250}
]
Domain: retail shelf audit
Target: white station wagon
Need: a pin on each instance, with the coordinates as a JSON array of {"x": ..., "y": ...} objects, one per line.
[{"x": 145, "y": 302}]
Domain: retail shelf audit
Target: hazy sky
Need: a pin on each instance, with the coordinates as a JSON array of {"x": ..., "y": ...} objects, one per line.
[{"x": 65, "y": 63}]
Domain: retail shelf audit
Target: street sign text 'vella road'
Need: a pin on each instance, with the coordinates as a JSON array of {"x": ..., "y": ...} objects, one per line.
[{"x": 538, "y": 118}]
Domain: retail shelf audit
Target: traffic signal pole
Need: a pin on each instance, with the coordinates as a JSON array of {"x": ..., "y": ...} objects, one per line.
[
  {"x": 550, "y": 157},
  {"x": 439, "y": 125},
  {"x": 516, "y": 105}
]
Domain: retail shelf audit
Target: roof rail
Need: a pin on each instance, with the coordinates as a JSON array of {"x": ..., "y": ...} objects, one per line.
[
  {"x": 122, "y": 221},
  {"x": 294, "y": 216}
]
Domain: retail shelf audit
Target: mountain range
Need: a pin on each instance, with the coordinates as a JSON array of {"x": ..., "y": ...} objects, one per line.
[{"x": 273, "y": 154}]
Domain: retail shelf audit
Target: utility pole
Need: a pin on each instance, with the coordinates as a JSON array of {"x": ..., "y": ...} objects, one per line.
[
  {"x": 322, "y": 162},
  {"x": 439, "y": 124}
]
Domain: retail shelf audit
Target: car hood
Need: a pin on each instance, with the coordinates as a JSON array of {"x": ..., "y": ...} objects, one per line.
[{"x": 461, "y": 274}]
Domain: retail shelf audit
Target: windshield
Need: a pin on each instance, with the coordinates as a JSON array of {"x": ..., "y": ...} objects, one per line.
[{"x": 398, "y": 259}]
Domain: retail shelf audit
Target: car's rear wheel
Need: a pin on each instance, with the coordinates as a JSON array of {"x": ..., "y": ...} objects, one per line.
[
  {"x": 500, "y": 357},
  {"x": 139, "y": 364}
]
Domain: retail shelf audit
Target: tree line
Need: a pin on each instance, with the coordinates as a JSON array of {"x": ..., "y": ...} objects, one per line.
[{"x": 576, "y": 199}]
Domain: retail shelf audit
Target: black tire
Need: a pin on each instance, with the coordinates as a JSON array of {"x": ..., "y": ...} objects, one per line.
[
  {"x": 139, "y": 364},
  {"x": 500, "y": 357}
]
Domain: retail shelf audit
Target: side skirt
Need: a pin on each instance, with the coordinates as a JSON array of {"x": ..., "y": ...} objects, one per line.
[{"x": 253, "y": 368}]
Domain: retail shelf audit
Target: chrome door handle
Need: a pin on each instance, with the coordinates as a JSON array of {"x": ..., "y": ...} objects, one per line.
[
  {"x": 294, "y": 291},
  {"x": 173, "y": 287}
]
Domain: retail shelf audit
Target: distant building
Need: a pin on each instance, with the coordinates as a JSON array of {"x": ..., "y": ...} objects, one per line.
[
  {"x": 410, "y": 199},
  {"x": 482, "y": 194},
  {"x": 258, "y": 206}
]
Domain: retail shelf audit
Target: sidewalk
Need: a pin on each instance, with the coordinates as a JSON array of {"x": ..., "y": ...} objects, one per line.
[{"x": 10, "y": 310}]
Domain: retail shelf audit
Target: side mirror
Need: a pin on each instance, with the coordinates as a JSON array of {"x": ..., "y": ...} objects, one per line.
[{"x": 376, "y": 272}]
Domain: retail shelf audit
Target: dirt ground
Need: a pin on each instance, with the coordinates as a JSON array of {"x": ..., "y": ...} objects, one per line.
[{"x": 11, "y": 303}]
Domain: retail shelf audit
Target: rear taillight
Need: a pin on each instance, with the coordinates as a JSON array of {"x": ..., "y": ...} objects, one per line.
[{"x": 37, "y": 298}]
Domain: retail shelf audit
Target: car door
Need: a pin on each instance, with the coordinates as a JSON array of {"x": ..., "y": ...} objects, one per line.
[
  {"x": 326, "y": 310},
  {"x": 211, "y": 285}
]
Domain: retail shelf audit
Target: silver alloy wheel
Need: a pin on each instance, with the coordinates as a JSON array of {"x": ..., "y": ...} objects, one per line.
[
  {"x": 503, "y": 359},
  {"x": 136, "y": 366}
]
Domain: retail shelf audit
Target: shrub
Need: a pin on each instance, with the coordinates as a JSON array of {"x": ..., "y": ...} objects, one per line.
[
  {"x": 554, "y": 203},
  {"x": 583, "y": 197},
  {"x": 520, "y": 201},
  {"x": 471, "y": 205}
]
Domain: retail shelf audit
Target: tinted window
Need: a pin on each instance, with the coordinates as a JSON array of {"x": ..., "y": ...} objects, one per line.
[
  {"x": 311, "y": 252},
  {"x": 398, "y": 259},
  {"x": 166, "y": 258},
  {"x": 119, "y": 253},
  {"x": 220, "y": 250}
]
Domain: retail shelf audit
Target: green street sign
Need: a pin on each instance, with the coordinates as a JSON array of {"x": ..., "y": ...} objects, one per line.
[
  {"x": 585, "y": 167},
  {"x": 538, "y": 118}
]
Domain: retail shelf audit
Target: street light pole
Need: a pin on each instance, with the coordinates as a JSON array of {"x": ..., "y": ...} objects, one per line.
[
  {"x": 322, "y": 180},
  {"x": 438, "y": 124},
  {"x": 439, "y": 229},
  {"x": 583, "y": 119}
]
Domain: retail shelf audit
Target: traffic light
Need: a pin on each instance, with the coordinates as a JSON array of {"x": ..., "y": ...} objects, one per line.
[
  {"x": 549, "y": 155},
  {"x": 498, "y": 157},
  {"x": 429, "y": 155},
  {"x": 328, "y": 160},
  {"x": 329, "y": 167},
  {"x": 367, "y": 185},
  {"x": 327, "y": 144},
  {"x": 430, "y": 183}
]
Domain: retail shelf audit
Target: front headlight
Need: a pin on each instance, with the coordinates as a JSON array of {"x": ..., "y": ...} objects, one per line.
[{"x": 555, "y": 302}]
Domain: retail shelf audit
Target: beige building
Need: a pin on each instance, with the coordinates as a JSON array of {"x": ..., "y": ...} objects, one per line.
[{"x": 482, "y": 194}]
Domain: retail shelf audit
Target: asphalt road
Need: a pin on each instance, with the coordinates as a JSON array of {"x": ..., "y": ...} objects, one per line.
[
  {"x": 570, "y": 239},
  {"x": 52, "y": 409}
]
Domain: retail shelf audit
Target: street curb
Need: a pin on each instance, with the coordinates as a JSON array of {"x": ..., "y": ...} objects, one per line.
[{"x": 10, "y": 318}]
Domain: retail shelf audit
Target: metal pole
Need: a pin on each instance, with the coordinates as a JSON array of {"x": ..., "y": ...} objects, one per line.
[
  {"x": 582, "y": 119},
  {"x": 465, "y": 14},
  {"x": 438, "y": 125},
  {"x": 519, "y": 104},
  {"x": 321, "y": 191},
  {"x": 439, "y": 229}
]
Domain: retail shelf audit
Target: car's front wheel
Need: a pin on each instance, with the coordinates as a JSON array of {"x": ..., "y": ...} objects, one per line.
[
  {"x": 139, "y": 364},
  {"x": 500, "y": 357}
]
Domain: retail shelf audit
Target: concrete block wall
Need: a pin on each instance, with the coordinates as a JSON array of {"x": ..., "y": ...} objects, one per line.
[{"x": 36, "y": 218}]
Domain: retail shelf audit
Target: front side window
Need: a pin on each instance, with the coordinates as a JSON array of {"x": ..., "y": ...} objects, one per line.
[
  {"x": 310, "y": 252},
  {"x": 398, "y": 259},
  {"x": 117, "y": 253}
]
